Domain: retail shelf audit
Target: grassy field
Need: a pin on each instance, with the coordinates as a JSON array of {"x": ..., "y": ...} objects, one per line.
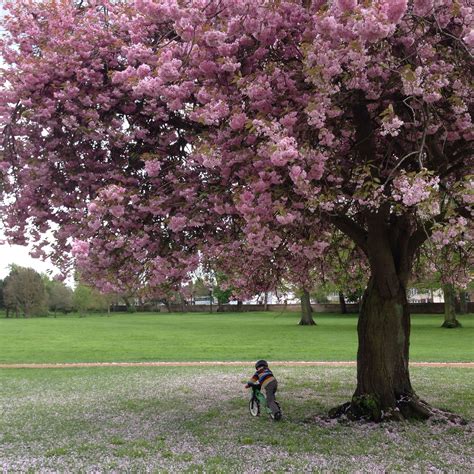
[
  {"x": 204, "y": 337},
  {"x": 196, "y": 420},
  {"x": 184, "y": 419}
]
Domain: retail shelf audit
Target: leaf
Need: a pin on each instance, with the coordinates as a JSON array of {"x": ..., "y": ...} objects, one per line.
[{"x": 408, "y": 73}]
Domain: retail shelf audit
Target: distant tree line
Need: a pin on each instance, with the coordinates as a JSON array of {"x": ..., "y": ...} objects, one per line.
[{"x": 27, "y": 293}]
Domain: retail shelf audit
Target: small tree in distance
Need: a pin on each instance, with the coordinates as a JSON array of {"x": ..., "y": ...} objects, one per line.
[
  {"x": 86, "y": 298},
  {"x": 60, "y": 297},
  {"x": 2, "y": 302},
  {"x": 25, "y": 293}
]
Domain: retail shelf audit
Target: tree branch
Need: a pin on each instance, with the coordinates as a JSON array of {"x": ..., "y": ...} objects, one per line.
[{"x": 353, "y": 230}]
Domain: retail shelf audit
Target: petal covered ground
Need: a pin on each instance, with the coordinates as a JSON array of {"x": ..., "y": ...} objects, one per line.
[{"x": 180, "y": 419}]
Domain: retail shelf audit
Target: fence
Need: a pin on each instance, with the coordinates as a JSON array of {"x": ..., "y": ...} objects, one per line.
[{"x": 415, "y": 308}]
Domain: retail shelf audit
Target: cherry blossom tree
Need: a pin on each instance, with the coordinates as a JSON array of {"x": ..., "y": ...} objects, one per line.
[{"x": 151, "y": 135}]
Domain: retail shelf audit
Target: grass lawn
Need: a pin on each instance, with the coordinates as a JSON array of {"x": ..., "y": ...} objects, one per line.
[
  {"x": 196, "y": 420},
  {"x": 204, "y": 337}
]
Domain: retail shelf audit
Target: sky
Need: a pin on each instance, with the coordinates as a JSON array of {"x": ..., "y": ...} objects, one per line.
[{"x": 19, "y": 255}]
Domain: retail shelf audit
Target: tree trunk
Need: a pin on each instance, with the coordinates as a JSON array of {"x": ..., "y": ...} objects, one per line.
[
  {"x": 384, "y": 389},
  {"x": 306, "y": 310},
  {"x": 463, "y": 302},
  {"x": 383, "y": 329},
  {"x": 127, "y": 304},
  {"x": 450, "y": 320},
  {"x": 342, "y": 302},
  {"x": 265, "y": 301}
]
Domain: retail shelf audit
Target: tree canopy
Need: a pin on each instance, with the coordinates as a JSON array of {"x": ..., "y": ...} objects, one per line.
[
  {"x": 242, "y": 132},
  {"x": 230, "y": 126}
]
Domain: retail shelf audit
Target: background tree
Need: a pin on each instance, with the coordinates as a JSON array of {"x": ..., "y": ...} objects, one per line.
[
  {"x": 60, "y": 296},
  {"x": 306, "y": 309},
  {"x": 448, "y": 268},
  {"x": 174, "y": 132},
  {"x": 2, "y": 303},
  {"x": 86, "y": 298},
  {"x": 221, "y": 290},
  {"x": 25, "y": 293}
]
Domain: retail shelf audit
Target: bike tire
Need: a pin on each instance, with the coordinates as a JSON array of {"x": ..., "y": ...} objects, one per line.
[{"x": 254, "y": 407}]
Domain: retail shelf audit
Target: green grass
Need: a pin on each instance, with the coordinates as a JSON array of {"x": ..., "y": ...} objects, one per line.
[
  {"x": 204, "y": 337},
  {"x": 196, "y": 420}
]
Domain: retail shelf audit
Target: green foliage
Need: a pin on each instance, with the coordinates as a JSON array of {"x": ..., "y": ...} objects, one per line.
[
  {"x": 223, "y": 296},
  {"x": 86, "y": 299},
  {"x": 2, "y": 303},
  {"x": 60, "y": 296},
  {"x": 200, "y": 288},
  {"x": 320, "y": 294},
  {"x": 24, "y": 293}
]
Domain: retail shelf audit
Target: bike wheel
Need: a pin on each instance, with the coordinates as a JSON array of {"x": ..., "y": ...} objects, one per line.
[{"x": 254, "y": 407}]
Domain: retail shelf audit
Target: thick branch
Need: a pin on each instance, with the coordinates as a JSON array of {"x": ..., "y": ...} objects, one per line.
[
  {"x": 352, "y": 230},
  {"x": 364, "y": 131}
]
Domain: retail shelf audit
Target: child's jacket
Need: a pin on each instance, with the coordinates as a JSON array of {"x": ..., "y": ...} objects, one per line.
[{"x": 263, "y": 377}]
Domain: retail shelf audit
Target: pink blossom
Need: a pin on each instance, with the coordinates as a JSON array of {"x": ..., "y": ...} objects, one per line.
[
  {"x": 80, "y": 248},
  {"x": 286, "y": 219},
  {"x": 178, "y": 223},
  {"x": 286, "y": 151},
  {"x": 92, "y": 207},
  {"x": 395, "y": 9},
  {"x": 391, "y": 126},
  {"x": 237, "y": 121},
  {"x": 346, "y": 5},
  {"x": 152, "y": 167},
  {"x": 469, "y": 38},
  {"x": 117, "y": 211},
  {"x": 143, "y": 70},
  {"x": 423, "y": 7}
]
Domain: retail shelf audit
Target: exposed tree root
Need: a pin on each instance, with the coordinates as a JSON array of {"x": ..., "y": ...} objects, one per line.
[
  {"x": 451, "y": 324},
  {"x": 307, "y": 323},
  {"x": 408, "y": 407}
]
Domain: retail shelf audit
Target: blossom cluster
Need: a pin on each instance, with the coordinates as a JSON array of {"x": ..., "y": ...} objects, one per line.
[{"x": 175, "y": 132}]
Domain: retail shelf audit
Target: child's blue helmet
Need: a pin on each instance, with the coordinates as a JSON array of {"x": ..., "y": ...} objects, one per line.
[{"x": 261, "y": 363}]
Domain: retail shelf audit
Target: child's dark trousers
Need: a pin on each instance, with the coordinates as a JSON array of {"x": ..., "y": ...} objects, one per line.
[{"x": 270, "y": 390}]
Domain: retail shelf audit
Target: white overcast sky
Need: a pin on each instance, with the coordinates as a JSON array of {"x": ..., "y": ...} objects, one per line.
[{"x": 18, "y": 254}]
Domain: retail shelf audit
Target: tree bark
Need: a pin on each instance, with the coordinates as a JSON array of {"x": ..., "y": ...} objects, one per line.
[
  {"x": 450, "y": 320},
  {"x": 306, "y": 310},
  {"x": 382, "y": 359},
  {"x": 384, "y": 389},
  {"x": 342, "y": 302}
]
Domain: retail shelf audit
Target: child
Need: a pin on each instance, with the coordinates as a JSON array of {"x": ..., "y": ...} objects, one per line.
[{"x": 266, "y": 379}]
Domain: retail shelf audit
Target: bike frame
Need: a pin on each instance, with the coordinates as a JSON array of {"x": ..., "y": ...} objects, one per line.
[{"x": 257, "y": 394}]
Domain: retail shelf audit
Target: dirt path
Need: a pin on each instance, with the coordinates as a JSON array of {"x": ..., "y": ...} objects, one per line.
[{"x": 469, "y": 365}]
